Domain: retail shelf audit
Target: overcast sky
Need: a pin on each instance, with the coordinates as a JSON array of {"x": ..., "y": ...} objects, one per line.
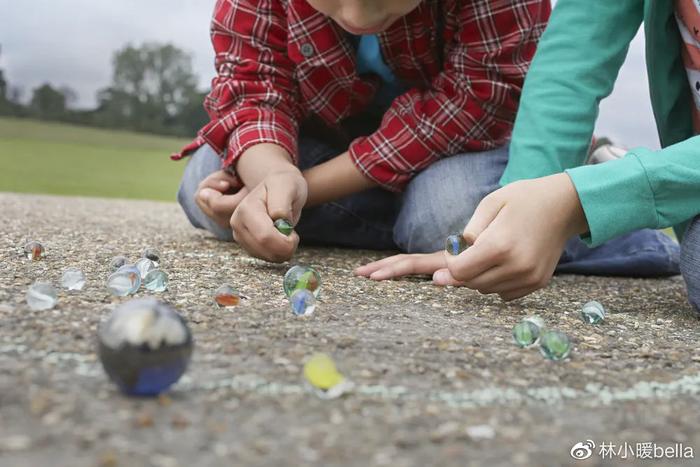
[{"x": 70, "y": 43}]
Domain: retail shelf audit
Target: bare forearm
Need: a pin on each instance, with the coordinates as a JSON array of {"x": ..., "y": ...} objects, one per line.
[
  {"x": 335, "y": 179},
  {"x": 261, "y": 160}
]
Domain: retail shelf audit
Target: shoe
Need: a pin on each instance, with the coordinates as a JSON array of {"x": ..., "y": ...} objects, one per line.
[{"x": 603, "y": 150}]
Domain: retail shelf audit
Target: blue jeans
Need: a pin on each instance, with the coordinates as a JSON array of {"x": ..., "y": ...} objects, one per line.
[
  {"x": 690, "y": 262},
  {"x": 437, "y": 202}
]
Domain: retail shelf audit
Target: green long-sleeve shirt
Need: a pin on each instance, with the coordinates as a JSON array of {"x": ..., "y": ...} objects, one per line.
[{"x": 575, "y": 67}]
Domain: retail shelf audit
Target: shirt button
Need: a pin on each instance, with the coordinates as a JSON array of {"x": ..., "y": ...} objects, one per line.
[{"x": 307, "y": 50}]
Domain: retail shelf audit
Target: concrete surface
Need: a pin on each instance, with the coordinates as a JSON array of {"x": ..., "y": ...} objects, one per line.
[{"x": 438, "y": 378}]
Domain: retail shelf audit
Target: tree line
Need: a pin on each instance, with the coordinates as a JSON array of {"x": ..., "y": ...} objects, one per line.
[{"x": 153, "y": 90}]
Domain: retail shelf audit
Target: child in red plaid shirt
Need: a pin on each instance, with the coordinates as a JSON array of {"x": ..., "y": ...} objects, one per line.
[{"x": 372, "y": 124}]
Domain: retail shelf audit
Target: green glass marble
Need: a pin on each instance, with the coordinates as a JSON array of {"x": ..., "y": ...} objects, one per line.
[
  {"x": 525, "y": 333},
  {"x": 455, "y": 244},
  {"x": 302, "y": 277},
  {"x": 555, "y": 345},
  {"x": 593, "y": 313},
  {"x": 284, "y": 226}
]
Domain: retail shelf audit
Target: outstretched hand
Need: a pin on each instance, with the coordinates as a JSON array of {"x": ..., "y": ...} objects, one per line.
[{"x": 402, "y": 265}]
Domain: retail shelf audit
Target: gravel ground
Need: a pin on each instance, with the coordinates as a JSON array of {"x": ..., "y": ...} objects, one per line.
[{"x": 438, "y": 380}]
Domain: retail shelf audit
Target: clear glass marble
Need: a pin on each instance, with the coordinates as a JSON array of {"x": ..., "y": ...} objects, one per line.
[
  {"x": 145, "y": 265},
  {"x": 152, "y": 254},
  {"x": 73, "y": 279},
  {"x": 118, "y": 262},
  {"x": 125, "y": 281},
  {"x": 42, "y": 296},
  {"x": 593, "y": 313}
]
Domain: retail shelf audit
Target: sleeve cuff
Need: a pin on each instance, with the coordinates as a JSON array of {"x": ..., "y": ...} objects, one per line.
[
  {"x": 258, "y": 132},
  {"x": 616, "y": 197}
]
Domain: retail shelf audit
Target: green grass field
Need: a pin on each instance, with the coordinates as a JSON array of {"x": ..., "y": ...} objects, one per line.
[{"x": 53, "y": 158}]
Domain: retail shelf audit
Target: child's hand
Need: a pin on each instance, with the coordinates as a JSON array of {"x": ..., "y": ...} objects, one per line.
[
  {"x": 280, "y": 195},
  {"x": 518, "y": 234},
  {"x": 402, "y": 265},
  {"x": 218, "y": 196}
]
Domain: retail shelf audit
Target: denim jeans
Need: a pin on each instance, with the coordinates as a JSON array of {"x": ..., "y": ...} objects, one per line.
[
  {"x": 437, "y": 202},
  {"x": 690, "y": 262}
]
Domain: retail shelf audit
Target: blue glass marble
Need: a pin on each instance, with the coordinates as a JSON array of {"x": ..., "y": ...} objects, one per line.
[
  {"x": 455, "y": 244},
  {"x": 145, "y": 347},
  {"x": 303, "y": 302}
]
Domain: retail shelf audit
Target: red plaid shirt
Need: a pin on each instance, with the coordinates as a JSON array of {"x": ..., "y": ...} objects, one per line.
[{"x": 280, "y": 61}]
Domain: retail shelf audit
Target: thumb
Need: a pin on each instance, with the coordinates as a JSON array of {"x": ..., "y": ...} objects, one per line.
[
  {"x": 279, "y": 200},
  {"x": 444, "y": 277},
  {"x": 483, "y": 215},
  {"x": 209, "y": 195}
]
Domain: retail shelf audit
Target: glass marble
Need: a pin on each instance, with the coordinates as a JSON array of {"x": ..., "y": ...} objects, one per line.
[
  {"x": 284, "y": 226},
  {"x": 592, "y": 313},
  {"x": 125, "y": 281},
  {"x": 536, "y": 320},
  {"x": 118, "y": 262},
  {"x": 226, "y": 296},
  {"x": 144, "y": 346},
  {"x": 303, "y": 302},
  {"x": 73, "y": 279},
  {"x": 525, "y": 333},
  {"x": 34, "y": 251},
  {"x": 156, "y": 281},
  {"x": 320, "y": 371},
  {"x": 152, "y": 254},
  {"x": 555, "y": 345},
  {"x": 42, "y": 296},
  {"x": 302, "y": 277},
  {"x": 455, "y": 244},
  {"x": 145, "y": 265}
]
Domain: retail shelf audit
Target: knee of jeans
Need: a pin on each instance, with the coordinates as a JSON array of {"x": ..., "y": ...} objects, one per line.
[
  {"x": 441, "y": 200},
  {"x": 201, "y": 164},
  {"x": 690, "y": 262}
]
